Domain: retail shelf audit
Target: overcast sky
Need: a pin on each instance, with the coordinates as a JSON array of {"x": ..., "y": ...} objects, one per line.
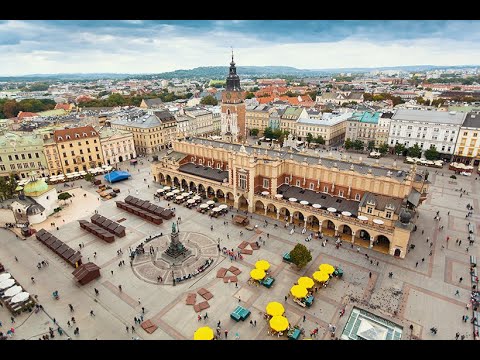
[{"x": 147, "y": 46}]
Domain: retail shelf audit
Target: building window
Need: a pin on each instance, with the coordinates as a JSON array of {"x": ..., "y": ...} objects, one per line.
[
  {"x": 340, "y": 193},
  {"x": 287, "y": 180},
  {"x": 369, "y": 210},
  {"x": 312, "y": 186},
  {"x": 357, "y": 197},
  {"x": 388, "y": 215},
  {"x": 297, "y": 183},
  {"x": 242, "y": 181},
  {"x": 218, "y": 166},
  {"x": 325, "y": 189},
  {"x": 266, "y": 183}
]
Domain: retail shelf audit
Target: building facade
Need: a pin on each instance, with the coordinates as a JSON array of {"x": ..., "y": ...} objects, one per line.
[
  {"x": 117, "y": 145},
  {"x": 20, "y": 154},
  {"x": 258, "y": 117},
  {"x": 78, "y": 148},
  {"x": 383, "y": 129},
  {"x": 233, "y": 125},
  {"x": 152, "y": 131},
  {"x": 201, "y": 121},
  {"x": 331, "y": 127},
  {"x": 467, "y": 148},
  {"x": 238, "y": 175},
  {"x": 362, "y": 126},
  {"x": 426, "y": 129}
]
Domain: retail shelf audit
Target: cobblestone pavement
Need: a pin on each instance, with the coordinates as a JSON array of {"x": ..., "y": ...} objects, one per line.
[{"x": 422, "y": 295}]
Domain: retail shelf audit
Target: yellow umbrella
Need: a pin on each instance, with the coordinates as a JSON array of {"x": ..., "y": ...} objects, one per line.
[
  {"x": 279, "y": 323},
  {"x": 329, "y": 269},
  {"x": 298, "y": 291},
  {"x": 262, "y": 265},
  {"x": 203, "y": 333},
  {"x": 275, "y": 309},
  {"x": 257, "y": 274},
  {"x": 306, "y": 282},
  {"x": 320, "y": 276}
]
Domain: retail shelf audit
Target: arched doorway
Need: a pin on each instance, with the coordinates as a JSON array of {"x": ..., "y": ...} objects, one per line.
[
  {"x": 284, "y": 214},
  {"x": 382, "y": 244},
  {"x": 271, "y": 211},
  {"x": 161, "y": 178},
  {"x": 242, "y": 203},
  {"x": 192, "y": 186},
  {"x": 184, "y": 185},
  {"x": 362, "y": 238},
  {"x": 397, "y": 253},
  {"x": 313, "y": 223},
  {"x": 169, "y": 180},
  {"x": 259, "y": 208},
  {"x": 201, "y": 190},
  {"x": 328, "y": 228},
  {"x": 120, "y": 158},
  {"x": 345, "y": 232},
  {"x": 176, "y": 182},
  {"x": 210, "y": 192},
  {"x": 220, "y": 196},
  {"x": 230, "y": 199},
  {"x": 298, "y": 219}
]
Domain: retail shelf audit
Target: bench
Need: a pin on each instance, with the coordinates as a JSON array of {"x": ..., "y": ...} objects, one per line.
[
  {"x": 235, "y": 316},
  {"x": 240, "y": 313},
  {"x": 267, "y": 282}
]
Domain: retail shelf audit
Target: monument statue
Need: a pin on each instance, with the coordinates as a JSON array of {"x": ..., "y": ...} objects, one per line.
[
  {"x": 174, "y": 228},
  {"x": 175, "y": 248}
]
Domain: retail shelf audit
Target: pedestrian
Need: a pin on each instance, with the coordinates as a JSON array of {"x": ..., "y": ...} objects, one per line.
[
  {"x": 460, "y": 280},
  {"x": 16, "y": 259},
  {"x": 199, "y": 317},
  {"x": 430, "y": 253},
  {"x": 205, "y": 317},
  {"x": 13, "y": 319},
  {"x": 370, "y": 274},
  {"x": 68, "y": 323},
  {"x": 251, "y": 323},
  {"x": 431, "y": 243},
  {"x": 457, "y": 293},
  {"x": 423, "y": 260},
  {"x": 466, "y": 318},
  {"x": 416, "y": 264},
  {"x": 91, "y": 313},
  {"x": 378, "y": 262},
  {"x": 304, "y": 318},
  {"x": 457, "y": 335},
  {"x": 73, "y": 320},
  {"x": 463, "y": 336},
  {"x": 111, "y": 271},
  {"x": 127, "y": 328},
  {"x": 236, "y": 285},
  {"x": 33, "y": 279},
  {"x": 255, "y": 323},
  {"x": 71, "y": 307},
  {"x": 143, "y": 310},
  {"x": 226, "y": 333},
  {"x": 120, "y": 287},
  {"x": 96, "y": 291},
  {"x": 133, "y": 329},
  {"x": 285, "y": 298}
]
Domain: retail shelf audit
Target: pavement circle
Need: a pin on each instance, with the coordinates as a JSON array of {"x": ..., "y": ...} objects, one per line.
[{"x": 149, "y": 267}]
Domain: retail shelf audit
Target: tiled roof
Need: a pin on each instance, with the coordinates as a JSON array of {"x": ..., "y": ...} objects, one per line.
[
  {"x": 74, "y": 133},
  {"x": 204, "y": 172},
  {"x": 381, "y": 201},
  {"x": 26, "y": 114}
]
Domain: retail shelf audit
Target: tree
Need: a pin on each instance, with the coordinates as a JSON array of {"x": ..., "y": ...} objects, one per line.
[
  {"x": 432, "y": 153},
  {"x": 249, "y": 95},
  {"x": 371, "y": 145},
  {"x": 399, "y": 149},
  {"x": 209, "y": 100},
  {"x": 320, "y": 140},
  {"x": 348, "y": 144},
  {"x": 415, "y": 151},
  {"x": 7, "y": 187},
  {"x": 254, "y": 132},
  {"x": 64, "y": 196},
  {"x": 89, "y": 177},
  {"x": 456, "y": 88},
  {"x": 10, "y": 108},
  {"x": 309, "y": 138},
  {"x": 268, "y": 133},
  {"x": 383, "y": 149},
  {"x": 290, "y": 94},
  {"x": 300, "y": 255},
  {"x": 358, "y": 145}
]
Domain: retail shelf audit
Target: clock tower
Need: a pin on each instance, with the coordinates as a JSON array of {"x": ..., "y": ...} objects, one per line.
[{"x": 233, "y": 108}]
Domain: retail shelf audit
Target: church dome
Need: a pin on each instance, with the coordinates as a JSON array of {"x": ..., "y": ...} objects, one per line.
[
  {"x": 35, "y": 188},
  {"x": 405, "y": 216},
  {"x": 35, "y": 209}
]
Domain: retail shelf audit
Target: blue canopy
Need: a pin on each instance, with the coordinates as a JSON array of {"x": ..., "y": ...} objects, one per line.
[{"x": 117, "y": 175}]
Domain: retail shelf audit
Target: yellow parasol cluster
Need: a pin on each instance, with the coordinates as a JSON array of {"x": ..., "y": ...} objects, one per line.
[
  {"x": 298, "y": 291},
  {"x": 320, "y": 276},
  {"x": 275, "y": 309},
  {"x": 279, "y": 323},
  {"x": 262, "y": 265},
  {"x": 306, "y": 282},
  {"x": 203, "y": 333},
  {"x": 327, "y": 268},
  {"x": 257, "y": 274}
]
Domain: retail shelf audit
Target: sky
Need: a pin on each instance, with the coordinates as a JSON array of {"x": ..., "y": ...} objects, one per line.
[{"x": 154, "y": 46}]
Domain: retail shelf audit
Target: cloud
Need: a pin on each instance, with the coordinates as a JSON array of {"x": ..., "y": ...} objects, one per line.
[{"x": 150, "y": 46}]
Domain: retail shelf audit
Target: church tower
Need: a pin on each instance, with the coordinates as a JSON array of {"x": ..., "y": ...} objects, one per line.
[{"x": 233, "y": 108}]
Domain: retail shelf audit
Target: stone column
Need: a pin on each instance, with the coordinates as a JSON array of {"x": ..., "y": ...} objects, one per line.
[
  {"x": 305, "y": 223},
  {"x": 371, "y": 241},
  {"x": 336, "y": 231},
  {"x": 265, "y": 211},
  {"x": 278, "y": 214},
  {"x": 353, "y": 237}
]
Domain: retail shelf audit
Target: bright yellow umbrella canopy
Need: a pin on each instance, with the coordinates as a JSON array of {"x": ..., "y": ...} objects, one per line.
[
  {"x": 320, "y": 276},
  {"x": 279, "y": 323},
  {"x": 203, "y": 333},
  {"x": 262, "y": 265},
  {"x": 298, "y": 291},
  {"x": 329, "y": 269},
  {"x": 275, "y": 309},
  {"x": 257, "y": 274},
  {"x": 306, "y": 282}
]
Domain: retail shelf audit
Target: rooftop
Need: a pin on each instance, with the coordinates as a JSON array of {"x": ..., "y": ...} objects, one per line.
[
  {"x": 442, "y": 117},
  {"x": 204, "y": 172},
  {"x": 83, "y": 132},
  {"x": 472, "y": 120}
]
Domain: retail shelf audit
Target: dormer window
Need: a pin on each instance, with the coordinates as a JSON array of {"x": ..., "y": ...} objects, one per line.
[
  {"x": 84, "y": 134},
  {"x": 77, "y": 136},
  {"x": 369, "y": 209},
  {"x": 60, "y": 138},
  {"x": 94, "y": 133},
  {"x": 67, "y": 137}
]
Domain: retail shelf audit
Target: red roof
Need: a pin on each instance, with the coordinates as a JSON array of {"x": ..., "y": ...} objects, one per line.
[
  {"x": 26, "y": 114},
  {"x": 75, "y": 133},
  {"x": 62, "y": 106}
]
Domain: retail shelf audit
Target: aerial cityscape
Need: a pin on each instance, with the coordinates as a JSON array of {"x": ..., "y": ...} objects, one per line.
[{"x": 239, "y": 180}]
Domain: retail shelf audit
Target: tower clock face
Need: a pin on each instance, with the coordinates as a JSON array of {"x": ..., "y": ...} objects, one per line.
[{"x": 228, "y": 95}]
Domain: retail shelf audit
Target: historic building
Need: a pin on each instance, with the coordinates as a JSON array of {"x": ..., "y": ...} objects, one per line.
[
  {"x": 366, "y": 206},
  {"x": 363, "y": 126},
  {"x": 467, "y": 148},
  {"x": 117, "y": 145},
  {"x": 233, "y": 127}
]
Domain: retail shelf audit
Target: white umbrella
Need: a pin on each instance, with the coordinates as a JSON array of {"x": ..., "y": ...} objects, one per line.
[
  {"x": 14, "y": 290},
  {"x": 292, "y": 199},
  {"x": 203, "y": 206},
  {"x": 317, "y": 206},
  {"x": 185, "y": 194},
  {"x": 279, "y": 196},
  {"x": 304, "y": 202},
  {"x": 265, "y": 193},
  {"x": 197, "y": 197},
  {"x": 61, "y": 177},
  {"x": 363, "y": 218},
  {"x": 216, "y": 209},
  {"x": 210, "y": 202},
  {"x": 176, "y": 191},
  {"x": 378, "y": 221},
  {"x": 91, "y": 170},
  {"x": 70, "y": 176},
  {"x": 83, "y": 173},
  {"x": 180, "y": 197},
  {"x": 5, "y": 276},
  {"x": 159, "y": 191},
  {"x": 331, "y": 209},
  {"x": 169, "y": 194},
  {"x": 346, "y": 213},
  {"x": 191, "y": 201},
  {"x": 166, "y": 188},
  {"x": 6, "y": 284},
  {"x": 20, "y": 297},
  {"x": 223, "y": 206}
]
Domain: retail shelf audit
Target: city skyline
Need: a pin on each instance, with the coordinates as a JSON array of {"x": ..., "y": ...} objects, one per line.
[{"x": 150, "y": 46}]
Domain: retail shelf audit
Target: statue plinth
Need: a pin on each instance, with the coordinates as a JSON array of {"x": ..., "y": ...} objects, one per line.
[{"x": 175, "y": 249}]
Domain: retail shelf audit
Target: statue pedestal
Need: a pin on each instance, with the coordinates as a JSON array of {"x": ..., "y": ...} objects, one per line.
[{"x": 175, "y": 249}]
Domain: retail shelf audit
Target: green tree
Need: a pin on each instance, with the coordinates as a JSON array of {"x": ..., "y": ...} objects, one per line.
[
  {"x": 348, "y": 144},
  {"x": 254, "y": 132},
  {"x": 399, "y": 149},
  {"x": 249, "y": 95},
  {"x": 371, "y": 145},
  {"x": 320, "y": 140},
  {"x": 290, "y": 94},
  {"x": 456, "y": 88},
  {"x": 89, "y": 177},
  {"x": 358, "y": 145},
  {"x": 309, "y": 138},
  {"x": 383, "y": 149},
  {"x": 209, "y": 100},
  {"x": 10, "y": 108},
  {"x": 64, "y": 196},
  {"x": 432, "y": 153},
  {"x": 415, "y": 151},
  {"x": 268, "y": 133},
  {"x": 7, "y": 186},
  {"x": 300, "y": 256}
]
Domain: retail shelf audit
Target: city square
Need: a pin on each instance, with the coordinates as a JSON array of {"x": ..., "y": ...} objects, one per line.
[{"x": 422, "y": 295}]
